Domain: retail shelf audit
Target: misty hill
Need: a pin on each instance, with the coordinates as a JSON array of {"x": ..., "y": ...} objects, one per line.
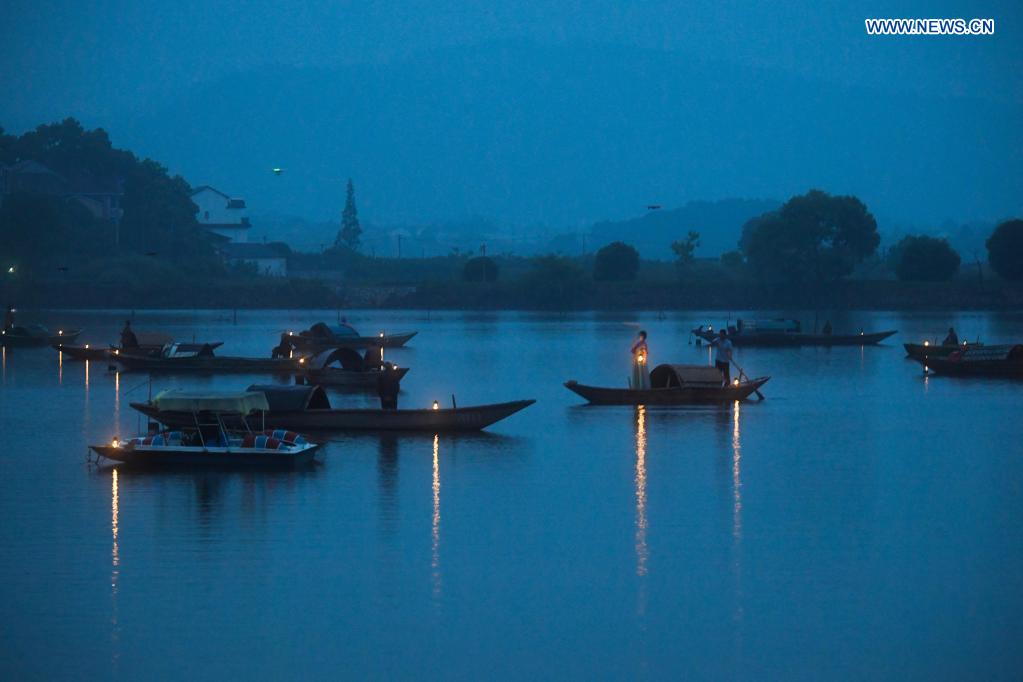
[
  {"x": 565, "y": 136},
  {"x": 718, "y": 222}
]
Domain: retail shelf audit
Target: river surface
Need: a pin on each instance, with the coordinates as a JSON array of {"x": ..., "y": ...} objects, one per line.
[{"x": 861, "y": 522}]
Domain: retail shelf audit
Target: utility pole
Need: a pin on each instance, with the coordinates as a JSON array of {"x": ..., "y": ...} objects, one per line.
[
  {"x": 483, "y": 249},
  {"x": 399, "y": 246}
]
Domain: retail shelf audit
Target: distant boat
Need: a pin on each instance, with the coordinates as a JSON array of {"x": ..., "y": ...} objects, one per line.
[
  {"x": 787, "y": 333},
  {"x": 308, "y": 408},
  {"x": 321, "y": 337},
  {"x": 175, "y": 358},
  {"x": 344, "y": 367},
  {"x": 936, "y": 350},
  {"x": 1004, "y": 361},
  {"x": 150, "y": 343},
  {"x": 36, "y": 335},
  {"x": 673, "y": 385},
  {"x": 205, "y": 440}
]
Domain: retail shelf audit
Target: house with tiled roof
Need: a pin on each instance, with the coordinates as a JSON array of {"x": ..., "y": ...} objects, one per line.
[{"x": 221, "y": 214}]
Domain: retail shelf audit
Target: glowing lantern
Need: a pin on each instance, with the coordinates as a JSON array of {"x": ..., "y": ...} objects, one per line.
[{"x": 436, "y": 405}]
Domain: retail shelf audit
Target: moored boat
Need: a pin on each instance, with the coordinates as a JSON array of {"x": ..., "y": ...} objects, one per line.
[
  {"x": 345, "y": 368},
  {"x": 673, "y": 385},
  {"x": 321, "y": 336},
  {"x": 936, "y": 350},
  {"x": 788, "y": 333},
  {"x": 36, "y": 335},
  {"x": 1005, "y": 361},
  {"x": 177, "y": 359},
  {"x": 308, "y": 408},
  {"x": 90, "y": 352},
  {"x": 206, "y": 441}
]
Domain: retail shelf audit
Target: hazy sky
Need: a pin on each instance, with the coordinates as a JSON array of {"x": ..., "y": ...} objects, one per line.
[{"x": 115, "y": 63}]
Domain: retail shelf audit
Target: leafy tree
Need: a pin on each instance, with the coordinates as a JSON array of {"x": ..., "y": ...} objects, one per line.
[
  {"x": 685, "y": 249},
  {"x": 38, "y": 232},
  {"x": 480, "y": 269},
  {"x": 811, "y": 239},
  {"x": 925, "y": 259},
  {"x": 351, "y": 232},
  {"x": 732, "y": 260},
  {"x": 616, "y": 262},
  {"x": 1005, "y": 250}
]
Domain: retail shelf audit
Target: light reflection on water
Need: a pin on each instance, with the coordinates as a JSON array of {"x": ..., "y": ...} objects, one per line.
[{"x": 774, "y": 539}]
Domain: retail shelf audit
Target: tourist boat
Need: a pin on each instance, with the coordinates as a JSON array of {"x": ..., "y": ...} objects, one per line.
[
  {"x": 176, "y": 358},
  {"x": 1004, "y": 361},
  {"x": 673, "y": 385},
  {"x": 345, "y": 368},
  {"x": 36, "y": 335},
  {"x": 787, "y": 333},
  {"x": 205, "y": 441},
  {"x": 321, "y": 337},
  {"x": 308, "y": 408},
  {"x": 936, "y": 350}
]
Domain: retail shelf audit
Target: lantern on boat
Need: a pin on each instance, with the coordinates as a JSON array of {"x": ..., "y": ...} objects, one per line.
[
  {"x": 115, "y": 443},
  {"x": 86, "y": 346},
  {"x": 436, "y": 405},
  {"x": 735, "y": 382},
  {"x": 60, "y": 332},
  {"x": 927, "y": 343}
]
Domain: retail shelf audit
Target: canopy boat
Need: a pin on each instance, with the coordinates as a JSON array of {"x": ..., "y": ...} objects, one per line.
[
  {"x": 36, "y": 335},
  {"x": 321, "y": 337},
  {"x": 673, "y": 385},
  {"x": 990, "y": 361},
  {"x": 787, "y": 333},
  {"x": 179, "y": 358},
  {"x": 308, "y": 408},
  {"x": 150, "y": 343},
  {"x": 344, "y": 367},
  {"x": 206, "y": 441},
  {"x": 919, "y": 351}
]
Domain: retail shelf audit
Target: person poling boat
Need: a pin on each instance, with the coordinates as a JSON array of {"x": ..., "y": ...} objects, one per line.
[
  {"x": 952, "y": 339},
  {"x": 723, "y": 359},
  {"x": 640, "y": 379}
]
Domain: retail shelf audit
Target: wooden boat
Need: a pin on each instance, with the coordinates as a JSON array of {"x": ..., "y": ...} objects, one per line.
[
  {"x": 321, "y": 337},
  {"x": 673, "y": 385},
  {"x": 85, "y": 352},
  {"x": 935, "y": 350},
  {"x": 1004, "y": 362},
  {"x": 308, "y": 408},
  {"x": 345, "y": 368},
  {"x": 746, "y": 337},
  {"x": 175, "y": 359},
  {"x": 206, "y": 440},
  {"x": 36, "y": 335}
]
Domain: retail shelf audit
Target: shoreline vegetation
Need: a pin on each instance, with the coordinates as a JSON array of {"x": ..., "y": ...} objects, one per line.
[{"x": 86, "y": 225}]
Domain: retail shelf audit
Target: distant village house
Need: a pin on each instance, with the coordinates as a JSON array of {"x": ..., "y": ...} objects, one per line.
[
  {"x": 221, "y": 214},
  {"x": 102, "y": 196}
]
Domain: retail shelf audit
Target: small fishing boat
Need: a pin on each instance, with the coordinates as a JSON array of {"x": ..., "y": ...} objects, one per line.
[
  {"x": 36, "y": 335},
  {"x": 321, "y": 337},
  {"x": 308, "y": 408},
  {"x": 673, "y": 385},
  {"x": 936, "y": 350},
  {"x": 176, "y": 358},
  {"x": 787, "y": 333},
  {"x": 205, "y": 440},
  {"x": 1005, "y": 361},
  {"x": 345, "y": 368}
]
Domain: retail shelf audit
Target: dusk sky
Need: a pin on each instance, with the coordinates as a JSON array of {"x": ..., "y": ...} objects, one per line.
[{"x": 924, "y": 128}]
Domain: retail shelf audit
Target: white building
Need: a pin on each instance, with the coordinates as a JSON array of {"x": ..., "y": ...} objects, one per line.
[{"x": 221, "y": 214}]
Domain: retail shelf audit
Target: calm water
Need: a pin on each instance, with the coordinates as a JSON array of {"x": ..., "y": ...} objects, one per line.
[{"x": 862, "y": 522}]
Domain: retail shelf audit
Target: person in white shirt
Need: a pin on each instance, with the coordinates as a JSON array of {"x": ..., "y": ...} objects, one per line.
[{"x": 723, "y": 361}]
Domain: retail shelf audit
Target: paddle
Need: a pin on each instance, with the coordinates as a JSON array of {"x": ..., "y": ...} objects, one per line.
[{"x": 742, "y": 373}]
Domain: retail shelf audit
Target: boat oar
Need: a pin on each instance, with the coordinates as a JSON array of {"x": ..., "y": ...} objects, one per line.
[{"x": 742, "y": 373}]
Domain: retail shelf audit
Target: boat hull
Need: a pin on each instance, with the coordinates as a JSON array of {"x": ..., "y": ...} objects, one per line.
[
  {"x": 308, "y": 344},
  {"x": 919, "y": 351},
  {"x": 473, "y": 418},
  {"x": 692, "y": 395},
  {"x": 209, "y": 365},
  {"x": 347, "y": 378},
  {"x": 33, "y": 341},
  {"x": 196, "y": 457},
  {"x": 992, "y": 369},
  {"x": 783, "y": 339}
]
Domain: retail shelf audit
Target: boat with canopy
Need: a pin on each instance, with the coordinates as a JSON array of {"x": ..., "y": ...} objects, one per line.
[
  {"x": 1005, "y": 361},
  {"x": 308, "y": 408},
  {"x": 674, "y": 385},
  {"x": 346, "y": 368},
  {"x": 322, "y": 336},
  {"x": 204, "y": 439},
  {"x": 787, "y": 333}
]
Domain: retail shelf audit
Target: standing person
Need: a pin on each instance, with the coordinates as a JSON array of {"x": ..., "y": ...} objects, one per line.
[
  {"x": 128, "y": 338},
  {"x": 723, "y": 361},
  {"x": 388, "y": 387},
  {"x": 640, "y": 368},
  {"x": 952, "y": 339},
  {"x": 9, "y": 318}
]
